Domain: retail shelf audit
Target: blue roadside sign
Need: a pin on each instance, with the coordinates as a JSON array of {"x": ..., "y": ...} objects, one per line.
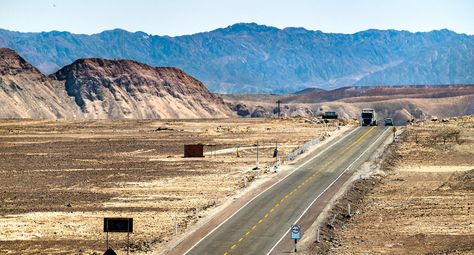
[{"x": 296, "y": 231}]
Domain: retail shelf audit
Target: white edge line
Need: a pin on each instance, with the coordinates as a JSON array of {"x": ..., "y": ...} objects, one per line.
[
  {"x": 298, "y": 167},
  {"x": 301, "y": 216}
]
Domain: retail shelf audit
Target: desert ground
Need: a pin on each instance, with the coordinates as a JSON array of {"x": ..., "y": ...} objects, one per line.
[
  {"x": 59, "y": 179},
  {"x": 420, "y": 201}
]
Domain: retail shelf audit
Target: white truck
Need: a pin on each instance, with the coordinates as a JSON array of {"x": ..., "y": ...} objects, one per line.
[{"x": 368, "y": 117}]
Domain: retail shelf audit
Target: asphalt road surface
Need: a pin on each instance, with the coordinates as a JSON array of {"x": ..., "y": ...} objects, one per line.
[{"x": 261, "y": 225}]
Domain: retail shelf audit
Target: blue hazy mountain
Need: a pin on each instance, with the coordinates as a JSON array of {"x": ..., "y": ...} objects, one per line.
[{"x": 247, "y": 57}]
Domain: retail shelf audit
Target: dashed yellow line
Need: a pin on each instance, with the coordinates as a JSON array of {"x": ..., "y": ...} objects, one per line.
[{"x": 299, "y": 186}]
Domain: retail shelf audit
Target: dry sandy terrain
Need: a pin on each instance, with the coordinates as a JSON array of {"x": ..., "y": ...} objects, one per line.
[
  {"x": 421, "y": 202},
  {"x": 60, "y": 178}
]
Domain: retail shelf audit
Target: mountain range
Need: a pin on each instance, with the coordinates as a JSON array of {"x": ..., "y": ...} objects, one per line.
[
  {"x": 95, "y": 88},
  {"x": 252, "y": 58}
]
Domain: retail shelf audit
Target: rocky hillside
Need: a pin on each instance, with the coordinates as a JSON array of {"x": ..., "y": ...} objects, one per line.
[
  {"x": 128, "y": 89},
  {"x": 251, "y": 58},
  {"x": 103, "y": 89},
  {"x": 26, "y": 93}
]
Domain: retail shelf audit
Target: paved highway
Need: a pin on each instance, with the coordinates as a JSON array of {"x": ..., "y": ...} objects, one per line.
[{"x": 261, "y": 225}]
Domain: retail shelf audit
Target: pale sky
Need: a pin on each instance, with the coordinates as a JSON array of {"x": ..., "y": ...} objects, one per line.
[{"x": 178, "y": 17}]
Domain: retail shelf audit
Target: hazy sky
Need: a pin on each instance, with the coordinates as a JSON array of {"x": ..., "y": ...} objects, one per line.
[{"x": 177, "y": 17}]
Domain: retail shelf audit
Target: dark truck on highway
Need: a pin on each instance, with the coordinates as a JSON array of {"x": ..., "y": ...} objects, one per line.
[{"x": 330, "y": 115}]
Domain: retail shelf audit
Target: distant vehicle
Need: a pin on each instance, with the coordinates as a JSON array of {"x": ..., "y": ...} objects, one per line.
[
  {"x": 368, "y": 117},
  {"x": 388, "y": 122},
  {"x": 330, "y": 115}
]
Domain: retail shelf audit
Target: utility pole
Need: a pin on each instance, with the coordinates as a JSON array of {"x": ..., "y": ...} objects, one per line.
[
  {"x": 256, "y": 167},
  {"x": 278, "y": 105}
]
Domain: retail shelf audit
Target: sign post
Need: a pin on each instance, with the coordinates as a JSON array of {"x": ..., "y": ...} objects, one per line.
[
  {"x": 296, "y": 233},
  {"x": 124, "y": 225}
]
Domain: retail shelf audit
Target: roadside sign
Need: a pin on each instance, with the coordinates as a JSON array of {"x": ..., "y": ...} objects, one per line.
[
  {"x": 296, "y": 231},
  {"x": 118, "y": 225},
  {"x": 124, "y": 225}
]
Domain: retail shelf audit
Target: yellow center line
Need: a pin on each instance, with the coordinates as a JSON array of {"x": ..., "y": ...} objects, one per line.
[
  {"x": 364, "y": 135},
  {"x": 303, "y": 183}
]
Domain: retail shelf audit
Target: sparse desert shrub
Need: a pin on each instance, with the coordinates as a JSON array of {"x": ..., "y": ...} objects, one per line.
[
  {"x": 447, "y": 134},
  {"x": 413, "y": 135}
]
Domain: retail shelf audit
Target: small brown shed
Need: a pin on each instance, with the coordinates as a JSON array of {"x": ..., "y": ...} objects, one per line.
[{"x": 193, "y": 150}]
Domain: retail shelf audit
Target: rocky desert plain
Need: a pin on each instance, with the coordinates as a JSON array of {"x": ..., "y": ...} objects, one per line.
[{"x": 60, "y": 178}]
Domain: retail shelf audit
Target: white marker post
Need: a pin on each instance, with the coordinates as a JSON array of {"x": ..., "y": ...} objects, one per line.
[{"x": 318, "y": 238}]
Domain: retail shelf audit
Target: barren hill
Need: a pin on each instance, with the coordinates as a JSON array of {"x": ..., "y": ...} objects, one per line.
[
  {"x": 128, "y": 89},
  {"x": 102, "y": 89},
  {"x": 26, "y": 93},
  {"x": 399, "y": 102},
  {"x": 379, "y": 93}
]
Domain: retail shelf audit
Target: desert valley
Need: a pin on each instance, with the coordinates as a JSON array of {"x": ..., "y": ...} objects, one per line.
[
  {"x": 349, "y": 133},
  {"x": 65, "y": 166}
]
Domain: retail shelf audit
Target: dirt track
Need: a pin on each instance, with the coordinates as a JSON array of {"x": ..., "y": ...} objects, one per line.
[{"x": 59, "y": 179}]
